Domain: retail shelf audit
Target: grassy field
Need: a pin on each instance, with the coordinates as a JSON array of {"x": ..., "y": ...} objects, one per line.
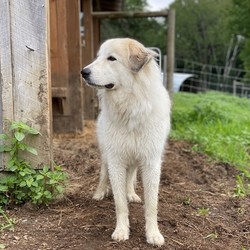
[{"x": 216, "y": 124}]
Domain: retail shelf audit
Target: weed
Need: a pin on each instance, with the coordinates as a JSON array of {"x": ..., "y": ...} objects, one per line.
[
  {"x": 9, "y": 222},
  {"x": 23, "y": 183},
  {"x": 243, "y": 248},
  {"x": 186, "y": 201},
  {"x": 208, "y": 112},
  {"x": 242, "y": 188},
  {"x": 241, "y": 210},
  {"x": 211, "y": 236},
  {"x": 203, "y": 212}
]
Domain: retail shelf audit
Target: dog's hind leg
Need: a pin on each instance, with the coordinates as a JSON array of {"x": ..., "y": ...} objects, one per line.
[
  {"x": 131, "y": 185},
  {"x": 103, "y": 186},
  {"x": 151, "y": 179}
]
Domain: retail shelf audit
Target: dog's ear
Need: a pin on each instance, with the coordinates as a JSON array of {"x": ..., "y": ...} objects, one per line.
[{"x": 139, "y": 56}]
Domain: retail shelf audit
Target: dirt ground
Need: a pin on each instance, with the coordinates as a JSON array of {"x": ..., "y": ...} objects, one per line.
[{"x": 197, "y": 209}]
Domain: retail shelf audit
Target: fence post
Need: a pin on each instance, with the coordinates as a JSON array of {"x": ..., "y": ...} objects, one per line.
[{"x": 170, "y": 50}]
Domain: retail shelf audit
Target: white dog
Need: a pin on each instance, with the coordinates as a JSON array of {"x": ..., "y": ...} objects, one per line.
[{"x": 132, "y": 128}]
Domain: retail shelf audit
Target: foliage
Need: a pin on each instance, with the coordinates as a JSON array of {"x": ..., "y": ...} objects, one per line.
[
  {"x": 240, "y": 25},
  {"x": 202, "y": 212},
  {"x": 150, "y": 31},
  {"x": 23, "y": 183},
  {"x": 146, "y": 30},
  {"x": 8, "y": 222},
  {"x": 217, "y": 124},
  {"x": 201, "y": 30},
  {"x": 242, "y": 188},
  {"x": 135, "y": 5}
]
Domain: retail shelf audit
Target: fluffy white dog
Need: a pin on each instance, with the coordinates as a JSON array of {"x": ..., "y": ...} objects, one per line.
[{"x": 132, "y": 128}]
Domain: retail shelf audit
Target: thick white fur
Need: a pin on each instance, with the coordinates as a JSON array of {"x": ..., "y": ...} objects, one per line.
[{"x": 132, "y": 129}]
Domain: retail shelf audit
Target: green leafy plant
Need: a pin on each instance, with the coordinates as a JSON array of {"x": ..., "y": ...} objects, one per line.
[
  {"x": 242, "y": 188},
  {"x": 202, "y": 212},
  {"x": 8, "y": 222},
  {"x": 22, "y": 183}
]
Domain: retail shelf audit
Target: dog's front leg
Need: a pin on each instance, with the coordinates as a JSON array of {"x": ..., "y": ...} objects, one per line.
[
  {"x": 151, "y": 179},
  {"x": 117, "y": 175}
]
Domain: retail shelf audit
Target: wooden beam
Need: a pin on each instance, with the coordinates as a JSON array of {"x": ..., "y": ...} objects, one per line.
[
  {"x": 170, "y": 50},
  {"x": 60, "y": 92},
  {"x": 128, "y": 14}
]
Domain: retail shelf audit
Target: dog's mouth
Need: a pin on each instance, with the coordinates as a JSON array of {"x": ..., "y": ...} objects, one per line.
[
  {"x": 85, "y": 72},
  {"x": 107, "y": 86}
]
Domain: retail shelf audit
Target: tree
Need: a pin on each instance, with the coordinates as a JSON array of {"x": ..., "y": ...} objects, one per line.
[
  {"x": 201, "y": 30},
  {"x": 240, "y": 26}
]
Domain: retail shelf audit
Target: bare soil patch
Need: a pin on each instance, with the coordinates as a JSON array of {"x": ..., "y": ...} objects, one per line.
[{"x": 196, "y": 206}]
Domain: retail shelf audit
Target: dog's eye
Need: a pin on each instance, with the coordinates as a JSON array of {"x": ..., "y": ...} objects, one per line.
[{"x": 111, "y": 58}]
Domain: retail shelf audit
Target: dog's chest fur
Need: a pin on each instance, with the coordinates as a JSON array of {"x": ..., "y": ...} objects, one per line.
[{"x": 133, "y": 125}]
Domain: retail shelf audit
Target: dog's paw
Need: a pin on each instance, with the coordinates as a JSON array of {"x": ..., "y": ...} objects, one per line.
[
  {"x": 134, "y": 198},
  {"x": 155, "y": 239},
  {"x": 120, "y": 234},
  {"x": 100, "y": 195}
]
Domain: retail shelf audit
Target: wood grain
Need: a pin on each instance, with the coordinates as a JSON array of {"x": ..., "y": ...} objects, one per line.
[{"x": 25, "y": 72}]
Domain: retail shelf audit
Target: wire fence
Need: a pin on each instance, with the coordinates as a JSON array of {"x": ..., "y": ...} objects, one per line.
[{"x": 211, "y": 77}]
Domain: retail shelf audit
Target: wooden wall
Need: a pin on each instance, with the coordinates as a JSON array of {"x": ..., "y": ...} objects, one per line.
[
  {"x": 88, "y": 54},
  {"x": 25, "y": 73},
  {"x": 66, "y": 64}
]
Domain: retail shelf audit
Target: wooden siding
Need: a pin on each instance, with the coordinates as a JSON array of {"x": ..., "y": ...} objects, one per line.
[{"x": 25, "y": 73}]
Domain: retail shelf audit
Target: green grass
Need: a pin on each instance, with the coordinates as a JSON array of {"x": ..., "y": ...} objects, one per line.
[{"x": 216, "y": 124}]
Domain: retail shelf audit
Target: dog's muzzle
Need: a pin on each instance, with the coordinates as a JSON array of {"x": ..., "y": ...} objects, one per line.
[{"x": 85, "y": 72}]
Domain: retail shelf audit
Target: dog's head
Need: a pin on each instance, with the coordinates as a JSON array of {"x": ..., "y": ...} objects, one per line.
[{"x": 118, "y": 60}]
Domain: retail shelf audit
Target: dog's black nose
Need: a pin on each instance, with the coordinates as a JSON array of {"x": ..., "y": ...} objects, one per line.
[{"x": 85, "y": 72}]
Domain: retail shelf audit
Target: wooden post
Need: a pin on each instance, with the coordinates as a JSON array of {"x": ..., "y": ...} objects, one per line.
[
  {"x": 66, "y": 65},
  {"x": 59, "y": 61},
  {"x": 170, "y": 50},
  {"x": 97, "y": 34},
  {"x": 25, "y": 73},
  {"x": 74, "y": 59},
  {"x": 87, "y": 57}
]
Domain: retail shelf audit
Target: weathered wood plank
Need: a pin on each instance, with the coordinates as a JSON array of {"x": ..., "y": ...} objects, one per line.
[
  {"x": 6, "y": 98},
  {"x": 58, "y": 43},
  {"x": 29, "y": 76}
]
